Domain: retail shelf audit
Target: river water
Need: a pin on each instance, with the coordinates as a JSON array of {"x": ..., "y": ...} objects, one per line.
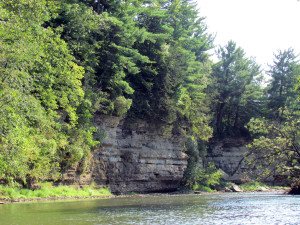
[{"x": 240, "y": 208}]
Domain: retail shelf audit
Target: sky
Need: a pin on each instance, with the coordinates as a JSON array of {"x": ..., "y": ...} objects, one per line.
[{"x": 260, "y": 27}]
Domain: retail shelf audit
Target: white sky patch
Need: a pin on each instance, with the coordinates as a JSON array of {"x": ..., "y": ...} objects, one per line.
[{"x": 260, "y": 27}]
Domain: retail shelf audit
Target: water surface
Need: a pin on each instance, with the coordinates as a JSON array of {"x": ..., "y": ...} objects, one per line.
[{"x": 255, "y": 208}]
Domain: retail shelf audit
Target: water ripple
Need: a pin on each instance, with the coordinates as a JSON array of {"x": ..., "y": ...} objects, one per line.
[{"x": 174, "y": 210}]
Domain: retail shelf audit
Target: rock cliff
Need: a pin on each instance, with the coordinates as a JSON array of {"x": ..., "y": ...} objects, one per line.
[
  {"x": 134, "y": 157},
  {"x": 227, "y": 154}
]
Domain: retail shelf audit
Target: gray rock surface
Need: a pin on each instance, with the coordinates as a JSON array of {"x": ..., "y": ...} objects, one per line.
[
  {"x": 236, "y": 188},
  {"x": 134, "y": 157},
  {"x": 227, "y": 154}
]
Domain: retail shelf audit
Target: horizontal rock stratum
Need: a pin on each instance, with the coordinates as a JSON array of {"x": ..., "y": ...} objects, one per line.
[{"x": 134, "y": 157}]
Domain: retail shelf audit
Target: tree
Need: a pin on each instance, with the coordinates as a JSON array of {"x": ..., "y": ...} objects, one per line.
[
  {"x": 173, "y": 83},
  {"x": 105, "y": 46},
  {"x": 281, "y": 89},
  {"x": 236, "y": 84},
  {"x": 276, "y": 149},
  {"x": 40, "y": 93}
]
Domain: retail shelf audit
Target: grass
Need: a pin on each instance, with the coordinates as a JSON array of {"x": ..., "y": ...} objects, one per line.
[
  {"x": 203, "y": 188},
  {"x": 48, "y": 190},
  {"x": 252, "y": 186}
]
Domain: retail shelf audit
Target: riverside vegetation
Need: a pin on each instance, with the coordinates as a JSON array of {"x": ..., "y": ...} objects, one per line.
[
  {"x": 48, "y": 191},
  {"x": 64, "y": 61}
]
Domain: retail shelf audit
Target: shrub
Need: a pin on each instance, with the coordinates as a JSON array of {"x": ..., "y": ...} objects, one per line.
[
  {"x": 208, "y": 176},
  {"x": 121, "y": 105}
]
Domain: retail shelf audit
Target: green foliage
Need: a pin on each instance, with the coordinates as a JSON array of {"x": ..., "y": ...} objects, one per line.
[
  {"x": 48, "y": 190},
  {"x": 103, "y": 45},
  {"x": 61, "y": 62},
  {"x": 281, "y": 89},
  {"x": 236, "y": 89},
  {"x": 252, "y": 185},
  {"x": 203, "y": 188},
  {"x": 208, "y": 177},
  {"x": 195, "y": 176},
  {"x": 276, "y": 147},
  {"x": 121, "y": 105},
  {"x": 40, "y": 94}
]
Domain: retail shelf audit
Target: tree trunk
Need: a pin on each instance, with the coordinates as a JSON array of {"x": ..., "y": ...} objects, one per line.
[
  {"x": 219, "y": 119},
  {"x": 236, "y": 120}
]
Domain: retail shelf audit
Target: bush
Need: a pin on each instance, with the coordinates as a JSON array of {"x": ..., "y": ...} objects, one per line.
[
  {"x": 121, "y": 105},
  {"x": 194, "y": 176},
  {"x": 207, "y": 177},
  {"x": 203, "y": 188}
]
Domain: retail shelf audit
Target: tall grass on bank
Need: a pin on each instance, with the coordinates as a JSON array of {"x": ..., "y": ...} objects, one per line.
[
  {"x": 203, "y": 188},
  {"x": 49, "y": 190},
  {"x": 252, "y": 186}
]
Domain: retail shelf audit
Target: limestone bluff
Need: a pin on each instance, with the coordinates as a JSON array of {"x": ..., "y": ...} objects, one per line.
[{"x": 133, "y": 157}]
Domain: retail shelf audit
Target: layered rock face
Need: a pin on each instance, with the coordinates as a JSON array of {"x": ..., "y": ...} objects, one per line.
[
  {"x": 227, "y": 155},
  {"x": 135, "y": 157}
]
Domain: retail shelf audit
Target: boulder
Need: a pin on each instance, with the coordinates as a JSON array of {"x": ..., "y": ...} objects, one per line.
[
  {"x": 262, "y": 189},
  {"x": 236, "y": 188},
  {"x": 226, "y": 189}
]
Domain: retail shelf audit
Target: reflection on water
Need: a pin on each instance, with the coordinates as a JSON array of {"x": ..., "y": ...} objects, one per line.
[{"x": 258, "y": 208}]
